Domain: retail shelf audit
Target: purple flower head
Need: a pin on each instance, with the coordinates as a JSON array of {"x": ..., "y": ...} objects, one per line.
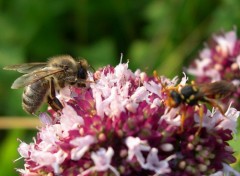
[
  {"x": 220, "y": 60},
  {"x": 120, "y": 125}
]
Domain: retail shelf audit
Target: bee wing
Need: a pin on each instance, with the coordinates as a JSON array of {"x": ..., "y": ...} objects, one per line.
[
  {"x": 26, "y": 68},
  {"x": 34, "y": 76}
]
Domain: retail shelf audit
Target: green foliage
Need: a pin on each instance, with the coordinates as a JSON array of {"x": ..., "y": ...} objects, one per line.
[
  {"x": 9, "y": 152},
  {"x": 152, "y": 34},
  {"x": 235, "y": 144}
]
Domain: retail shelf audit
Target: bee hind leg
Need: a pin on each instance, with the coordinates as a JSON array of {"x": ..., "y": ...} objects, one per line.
[
  {"x": 53, "y": 101},
  {"x": 55, "y": 104}
]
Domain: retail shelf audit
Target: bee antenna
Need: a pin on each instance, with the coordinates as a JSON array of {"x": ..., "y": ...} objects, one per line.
[
  {"x": 35, "y": 114},
  {"x": 92, "y": 68}
]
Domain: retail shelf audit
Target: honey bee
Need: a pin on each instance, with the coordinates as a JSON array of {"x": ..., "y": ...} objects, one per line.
[{"x": 41, "y": 80}]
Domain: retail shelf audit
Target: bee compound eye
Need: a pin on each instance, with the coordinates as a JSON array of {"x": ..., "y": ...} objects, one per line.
[{"x": 82, "y": 74}]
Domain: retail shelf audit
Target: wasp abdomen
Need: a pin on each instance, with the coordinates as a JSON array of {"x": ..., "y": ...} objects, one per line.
[{"x": 34, "y": 95}]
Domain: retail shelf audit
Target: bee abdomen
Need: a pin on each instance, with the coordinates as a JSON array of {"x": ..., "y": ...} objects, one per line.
[{"x": 34, "y": 95}]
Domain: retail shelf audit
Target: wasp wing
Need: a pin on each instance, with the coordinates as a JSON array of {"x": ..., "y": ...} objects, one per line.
[
  {"x": 27, "y": 67},
  {"x": 218, "y": 89},
  {"x": 34, "y": 76}
]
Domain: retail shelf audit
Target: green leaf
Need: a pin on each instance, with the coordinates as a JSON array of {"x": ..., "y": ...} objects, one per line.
[{"x": 9, "y": 153}]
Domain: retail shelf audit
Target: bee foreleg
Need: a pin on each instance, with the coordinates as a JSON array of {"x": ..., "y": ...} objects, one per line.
[
  {"x": 85, "y": 81},
  {"x": 53, "y": 101}
]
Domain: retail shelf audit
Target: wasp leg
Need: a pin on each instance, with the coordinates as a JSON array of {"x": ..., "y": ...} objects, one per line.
[
  {"x": 201, "y": 112},
  {"x": 155, "y": 75},
  {"x": 164, "y": 86},
  {"x": 183, "y": 117},
  {"x": 215, "y": 104},
  {"x": 53, "y": 101}
]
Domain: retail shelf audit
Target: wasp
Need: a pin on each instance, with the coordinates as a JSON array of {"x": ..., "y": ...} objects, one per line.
[
  {"x": 41, "y": 80},
  {"x": 195, "y": 94}
]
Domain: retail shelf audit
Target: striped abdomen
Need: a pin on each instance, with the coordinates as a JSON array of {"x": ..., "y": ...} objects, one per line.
[{"x": 34, "y": 95}]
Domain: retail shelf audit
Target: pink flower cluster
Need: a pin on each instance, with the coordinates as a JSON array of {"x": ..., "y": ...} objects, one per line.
[
  {"x": 220, "y": 60},
  {"x": 120, "y": 125}
]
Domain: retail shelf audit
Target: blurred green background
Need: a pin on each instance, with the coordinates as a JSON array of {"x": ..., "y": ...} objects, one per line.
[{"x": 152, "y": 34}]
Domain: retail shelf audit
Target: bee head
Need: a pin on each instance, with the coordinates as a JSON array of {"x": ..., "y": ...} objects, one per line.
[{"x": 82, "y": 69}]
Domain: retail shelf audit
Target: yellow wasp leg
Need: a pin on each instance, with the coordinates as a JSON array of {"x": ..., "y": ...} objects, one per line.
[
  {"x": 183, "y": 117},
  {"x": 215, "y": 104},
  {"x": 201, "y": 112}
]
